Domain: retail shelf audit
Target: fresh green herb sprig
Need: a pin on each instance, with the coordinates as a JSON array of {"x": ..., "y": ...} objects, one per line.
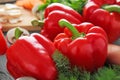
[
  {"x": 65, "y": 72},
  {"x": 75, "y": 4}
]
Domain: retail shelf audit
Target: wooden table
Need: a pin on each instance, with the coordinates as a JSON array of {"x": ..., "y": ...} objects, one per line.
[{"x": 26, "y": 18}]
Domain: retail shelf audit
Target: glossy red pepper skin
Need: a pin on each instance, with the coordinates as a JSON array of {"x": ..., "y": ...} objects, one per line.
[
  {"x": 3, "y": 43},
  {"x": 61, "y": 7},
  {"x": 55, "y": 12},
  {"x": 109, "y": 21},
  {"x": 88, "y": 52},
  {"x": 46, "y": 43},
  {"x": 30, "y": 57}
]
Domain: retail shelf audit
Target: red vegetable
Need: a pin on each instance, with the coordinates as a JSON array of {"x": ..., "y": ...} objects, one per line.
[
  {"x": 3, "y": 43},
  {"x": 30, "y": 56},
  {"x": 58, "y": 6},
  {"x": 86, "y": 47},
  {"x": 53, "y": 13},
  {"x": 106, "y": 14}
]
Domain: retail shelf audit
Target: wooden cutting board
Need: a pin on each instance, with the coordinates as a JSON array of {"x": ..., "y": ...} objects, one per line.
[{"x": 26, "y": 17}]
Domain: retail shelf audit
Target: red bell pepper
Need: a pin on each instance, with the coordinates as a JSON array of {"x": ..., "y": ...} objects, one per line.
[
  {"x": 58, "y": 6},
  {"x": 30, "y": 56},
  {"x": 106, "y": 14},
  {"x": 86, "y": 47},
  {"x": 53, "y": 13},
  {"x": 3, "y": 43}
]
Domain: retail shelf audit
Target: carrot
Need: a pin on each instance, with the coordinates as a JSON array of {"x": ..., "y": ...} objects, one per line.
[
  {"x": 19, "y": 3},
  {"x": 35, "y": 2},
  {"x": 29, "y": 4}
]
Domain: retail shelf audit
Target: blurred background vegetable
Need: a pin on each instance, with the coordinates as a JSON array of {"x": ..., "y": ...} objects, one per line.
[
  {"x": 29, "y": 4},
  {"x": 75, "y": 4}
]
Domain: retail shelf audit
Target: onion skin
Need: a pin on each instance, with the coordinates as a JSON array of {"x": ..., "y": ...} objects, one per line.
[{"x": 114, "y": 54}]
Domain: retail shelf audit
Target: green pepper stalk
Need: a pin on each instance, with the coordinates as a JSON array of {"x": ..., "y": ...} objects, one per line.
[
  {"x": 37, "y": 23},
  {"x": 112, "y": 8},
  {"x": 18, "y": 33},
  {"x": 75, "y": 32}
]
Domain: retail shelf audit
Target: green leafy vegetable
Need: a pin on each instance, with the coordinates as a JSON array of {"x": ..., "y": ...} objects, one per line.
[
  {"x": 104, "y": 74},
  {"x": 65, "y": 72},
  {"x": 75, "y": 4}
]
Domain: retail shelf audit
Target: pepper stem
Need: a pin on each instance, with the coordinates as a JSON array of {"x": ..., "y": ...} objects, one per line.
[
  {"x": 65, "y": 23},
  {"x": 18, "y": 33},
  {"x": 37, "y": 23},
  {"x": 112, "y": 8}
]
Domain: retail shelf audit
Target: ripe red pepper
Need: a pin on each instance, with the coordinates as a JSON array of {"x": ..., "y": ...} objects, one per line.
[
  {"x": 53, "y": 13},
  {"x": 3, "y": 43},
  {"x": 86, "y": 47},
  {"x": 106, "y": 14},
  {"x": 30, "y": 56}
]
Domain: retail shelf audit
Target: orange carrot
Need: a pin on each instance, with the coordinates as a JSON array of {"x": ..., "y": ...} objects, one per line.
[
  {"x": 19, "y": 3},
  {"x": 29, "y": 4}
]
